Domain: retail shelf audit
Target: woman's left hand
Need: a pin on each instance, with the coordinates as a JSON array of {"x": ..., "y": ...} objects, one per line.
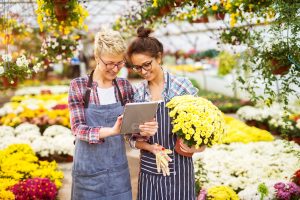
[
  {"x": 192, "y": 149},
  {"x": 149, "y": 128}
]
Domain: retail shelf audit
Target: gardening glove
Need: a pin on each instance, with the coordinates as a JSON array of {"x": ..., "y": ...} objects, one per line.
[{"x": 162, "y": 161}]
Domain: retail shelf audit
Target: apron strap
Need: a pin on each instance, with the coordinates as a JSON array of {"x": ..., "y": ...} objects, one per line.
[
  {"x": 86, "y": 98},
  {"x": 87, "y": 94},
  {"x": 119, "y": 92}
]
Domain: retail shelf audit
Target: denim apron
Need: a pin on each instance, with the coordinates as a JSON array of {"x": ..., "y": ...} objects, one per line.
[{"x": 100, "y": 171}]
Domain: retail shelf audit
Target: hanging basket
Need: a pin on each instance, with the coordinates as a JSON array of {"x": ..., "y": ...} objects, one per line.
[
  {"x": 220, "y": 16},
  {"x": 278, "y": 69},
  {"x": 201, "y": 20},
  {"x": 164, "y": 11},
  {"x": 60, "y": 9},
  {"x": 296, "y": 140},
  {"x": 180, "y": 151},
  {"x": 9, "y": 84}
]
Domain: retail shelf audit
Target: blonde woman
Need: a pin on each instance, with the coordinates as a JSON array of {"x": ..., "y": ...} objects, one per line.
[{"x": 100, "y": 169}]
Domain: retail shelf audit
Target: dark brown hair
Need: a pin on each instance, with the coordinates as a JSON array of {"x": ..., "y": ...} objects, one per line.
[{"x": 145, "y": 44}]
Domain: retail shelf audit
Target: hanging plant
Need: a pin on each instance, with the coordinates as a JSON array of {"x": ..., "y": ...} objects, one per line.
[
  {"x": 14, "y": 70},
  {"x": 61, "y": 16},
  {"x": 11, "y": 30},
  {"x": 59, "y": 49}
]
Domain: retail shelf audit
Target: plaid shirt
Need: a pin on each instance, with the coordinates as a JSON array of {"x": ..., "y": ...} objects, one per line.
[
  {"x": 77, "y": 90},
  {"x": 178, "y": 86}
]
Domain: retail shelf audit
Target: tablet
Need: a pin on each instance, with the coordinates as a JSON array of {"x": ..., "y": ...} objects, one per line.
[{"x": 136, "y": 114}]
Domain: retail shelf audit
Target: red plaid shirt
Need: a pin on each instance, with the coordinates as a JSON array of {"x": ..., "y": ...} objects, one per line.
[{"x": 77, "y": 90}]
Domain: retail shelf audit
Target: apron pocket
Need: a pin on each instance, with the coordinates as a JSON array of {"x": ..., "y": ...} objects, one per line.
[
  {"x": 119, "y": 181},
  {"x": 90, "y": 186}
]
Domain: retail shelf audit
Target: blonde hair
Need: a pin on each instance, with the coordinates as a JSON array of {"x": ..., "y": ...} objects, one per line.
[{"x": 109, "y": 41}]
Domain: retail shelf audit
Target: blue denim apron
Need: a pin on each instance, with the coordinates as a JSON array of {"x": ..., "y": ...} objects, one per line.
[{"x": 100, "y": 171}]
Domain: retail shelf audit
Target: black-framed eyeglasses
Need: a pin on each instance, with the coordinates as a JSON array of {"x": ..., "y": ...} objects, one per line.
[
  {"x": 110, "y": 66},
  {"x": 146, "y": 66}
]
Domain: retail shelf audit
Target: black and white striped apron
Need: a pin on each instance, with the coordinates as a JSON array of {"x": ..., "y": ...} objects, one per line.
[{"x": 180, "y": 185}]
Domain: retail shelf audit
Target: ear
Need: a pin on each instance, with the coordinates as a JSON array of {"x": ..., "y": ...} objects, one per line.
[
  {"x": 159, "y": 58},
  {"x": 97, "y": 59}
]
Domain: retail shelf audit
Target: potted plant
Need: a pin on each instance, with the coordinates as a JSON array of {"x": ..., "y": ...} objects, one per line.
[
  {"x": 59, "y": 49},
  {"x": 12, "y": 71},
  {"x": 196, "y": 122},
  {"x": 62, "y": 16},
  {"x": 275, "y": 56},
  {"x": 216, "y": 10}
]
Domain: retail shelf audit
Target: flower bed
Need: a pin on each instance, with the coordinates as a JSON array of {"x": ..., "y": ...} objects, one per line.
[
  {"x": 55, "y": 143},
  {"x": 22, "y": 175},
  {"x": 274, "y": 119},
  {"x": 238, "y": 131},
  {"x": 43, "y": 110},
  {"x": 267, "y": 162}
]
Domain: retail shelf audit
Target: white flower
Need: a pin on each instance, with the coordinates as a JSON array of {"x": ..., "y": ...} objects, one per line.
[
  {"x": 58, "y": 57},
  {"x": 63, "y": 47},
  {"x": 22, "y": 61},
  {"x": 43, "y": 146},
  {"x": 64, "y": 144},
  {"x": 6, "y": 57},
  {"x": 6, "y": 131},
  {"x": 1, "y": 70},
  {"x": 241, "y": 166},
  {"x": 298, "y": 123},
  {"x": 26, "y": 127},
  {"x": 37, "y": 67},
  {"x": 56, "y": 130}
]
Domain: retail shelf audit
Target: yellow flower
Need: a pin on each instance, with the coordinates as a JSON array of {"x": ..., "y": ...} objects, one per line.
[
  {"x": 154, "y": 4},
  {"x": 221, "y": 193},
  {"x": 214, "y": 7}
]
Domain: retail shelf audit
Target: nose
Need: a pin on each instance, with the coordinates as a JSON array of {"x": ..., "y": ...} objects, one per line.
[
  {"x": 143, "y": 72},
  {"x": 116, "y": 69}
]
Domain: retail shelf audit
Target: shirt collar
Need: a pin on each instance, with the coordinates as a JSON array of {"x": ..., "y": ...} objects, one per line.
[{"x": 164, "y": 92}]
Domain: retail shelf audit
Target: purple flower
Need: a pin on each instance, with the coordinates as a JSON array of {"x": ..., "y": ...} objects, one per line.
[
  {"x": 294, "y": 188},
  {"x": 279, "y": 185}
]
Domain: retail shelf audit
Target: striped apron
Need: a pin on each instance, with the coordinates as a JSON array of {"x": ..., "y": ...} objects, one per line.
[{"x": 180, "y": 185}]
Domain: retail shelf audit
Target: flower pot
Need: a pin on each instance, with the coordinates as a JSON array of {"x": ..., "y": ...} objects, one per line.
[
  {"x": 278, "y": 69},
  {"x": 251, "y": 122},
  {"x": 201, "y": 20},
  {"x": 8, "y": 84},
  {"x": 180, "y": 151},
  {"x": 220, "y": 16},
  {"x": 60, "y": 1},
  {"x": 263, "y": 126},
  {"x": 296, "y": 140},
  {"x": 60, "y": 9},
  {"x": 164, "y": 10}
]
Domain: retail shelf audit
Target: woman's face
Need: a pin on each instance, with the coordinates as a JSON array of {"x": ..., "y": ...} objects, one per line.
[
  {"x": 148, "y": 67},
  {"x": 109, "y": 65}
]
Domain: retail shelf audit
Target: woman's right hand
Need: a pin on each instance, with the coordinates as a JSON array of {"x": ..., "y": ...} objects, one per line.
[{"x": 117, "y": 127}]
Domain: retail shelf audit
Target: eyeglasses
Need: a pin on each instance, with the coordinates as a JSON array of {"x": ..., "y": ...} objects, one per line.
[
  {"x": 146, "y": 66},
  {"x": 110, "y": 66}
]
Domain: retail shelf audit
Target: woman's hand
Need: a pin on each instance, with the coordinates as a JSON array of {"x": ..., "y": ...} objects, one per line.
[
  {"x": 117, "y": 127},
  {"x": 162, "y": 158},
  {"x": 192, "y": 149},
  {"x": 149, "y": 128}
]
